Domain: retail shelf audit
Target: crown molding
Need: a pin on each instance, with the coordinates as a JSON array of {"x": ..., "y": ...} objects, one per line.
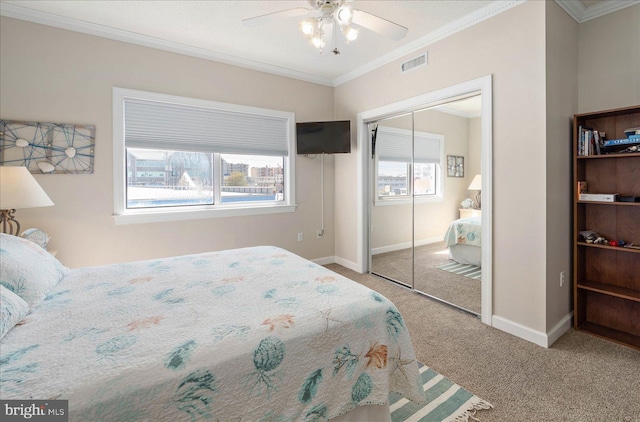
[
  {"x": 458, "y": 25},
  {"x": 18, "y": 12},
  {"x": 22, "y": 13},
  {"x": 576, "y": 9}
]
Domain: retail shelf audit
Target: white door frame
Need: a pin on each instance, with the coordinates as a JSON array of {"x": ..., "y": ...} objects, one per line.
[{"x": 482, "y": 85}]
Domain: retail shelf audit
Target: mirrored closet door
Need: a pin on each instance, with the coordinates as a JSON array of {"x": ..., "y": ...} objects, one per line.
[
  {"x": 422, "y": 165},
  {"x": 391, "y": 222}
]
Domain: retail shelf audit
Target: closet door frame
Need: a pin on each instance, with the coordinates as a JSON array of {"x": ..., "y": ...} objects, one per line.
[{"x": 483, "y": 86}]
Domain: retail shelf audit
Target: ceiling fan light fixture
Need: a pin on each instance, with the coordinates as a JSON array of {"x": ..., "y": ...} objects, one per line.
[
  {"x": 343, "y": 15},
  {"x": 308, "y": 27},
  {"x": 317, "y": 41},
  {"x": 350, "y": 33},
  {"x": 334, "y": 14}
]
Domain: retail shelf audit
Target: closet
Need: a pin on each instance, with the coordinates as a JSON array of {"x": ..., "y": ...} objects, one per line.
[{"x": 413, "y": 198}]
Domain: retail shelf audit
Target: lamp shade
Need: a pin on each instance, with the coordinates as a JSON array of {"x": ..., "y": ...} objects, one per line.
[
  {"x": 476, "y": 183},
  {"x": 19, "y": 189}
]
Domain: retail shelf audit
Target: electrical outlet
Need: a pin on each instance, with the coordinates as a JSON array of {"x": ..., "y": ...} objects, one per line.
[
  {"x": 319, "y": 234},
  {"x": 561, "y": 278},
  {"x": 300, "y": 237}
]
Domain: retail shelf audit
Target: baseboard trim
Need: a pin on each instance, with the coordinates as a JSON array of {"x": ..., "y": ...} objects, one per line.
[
  {"x": 335, "y": 260},
  {"x": 353, "y": 266},
  {"x": 406, "y": 245},
  {"x": 519, "y": 330},
  {"x": 534, "y": 336},
  {"x": 324, "y": 261},
  {"x": 560, "y": 328}
]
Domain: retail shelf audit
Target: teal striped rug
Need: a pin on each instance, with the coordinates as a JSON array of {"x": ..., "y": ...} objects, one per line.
[
  {"x": 466, "y": 270},
  {"x": 446, "y": 402}
]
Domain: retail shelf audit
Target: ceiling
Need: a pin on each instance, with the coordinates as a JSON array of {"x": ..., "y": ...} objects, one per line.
[{"x": 214, "y": 30}]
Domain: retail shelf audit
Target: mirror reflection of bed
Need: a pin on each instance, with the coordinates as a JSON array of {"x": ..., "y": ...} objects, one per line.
[{"x": 464, "y": 241}]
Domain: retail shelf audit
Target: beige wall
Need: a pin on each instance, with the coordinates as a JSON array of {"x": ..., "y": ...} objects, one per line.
[
  {"x": 54, "y": 75},
  {"x": 474, "y": 166},
  {"x": 609, "y": 60},
  {"x": 514, "y": 54},
  {"x": 562, "y": 99}
]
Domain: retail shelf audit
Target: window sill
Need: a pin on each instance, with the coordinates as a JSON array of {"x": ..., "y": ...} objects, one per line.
[{"x": 160, "y": 216}]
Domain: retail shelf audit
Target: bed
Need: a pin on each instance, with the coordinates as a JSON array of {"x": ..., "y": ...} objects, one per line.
[
  {"x": 247, "y": 334},
  {"x": 464, "y": 240}
]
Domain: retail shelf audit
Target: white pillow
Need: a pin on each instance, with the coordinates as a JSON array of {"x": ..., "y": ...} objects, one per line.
[
  {"x": 12, "y": 310},
  {"x": 28, "y": 270}
]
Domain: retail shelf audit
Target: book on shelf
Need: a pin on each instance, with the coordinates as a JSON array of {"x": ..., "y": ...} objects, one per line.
[
  {"x": 582, "y": 143},
  {"x": 598, "y": 197},
  {"x": 589, "y": 142},
  {"x": 632, "y": 131},
  {"x": 592, "y": 142},
  {"x": 596, "y": 141},
  {"x": 582, "y": 186},
  {"x": 631, "y": 140}
]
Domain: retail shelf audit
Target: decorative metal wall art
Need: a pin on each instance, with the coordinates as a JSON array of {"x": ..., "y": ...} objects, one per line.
[
  {"x": 455, "y": 166},
  {"x": 47, "y": 147}
]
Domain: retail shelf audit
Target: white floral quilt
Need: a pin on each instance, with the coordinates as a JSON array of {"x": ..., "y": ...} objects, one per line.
[
  {"x": 253, "y": 334},
  {"x": 465, "y": 231}
]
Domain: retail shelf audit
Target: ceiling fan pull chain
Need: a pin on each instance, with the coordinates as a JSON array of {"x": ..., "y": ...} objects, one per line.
[{"x": 335, "y": 50}]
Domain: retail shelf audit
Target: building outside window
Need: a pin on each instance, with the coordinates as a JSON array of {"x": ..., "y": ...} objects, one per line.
[{"x": 408, "y": 164}]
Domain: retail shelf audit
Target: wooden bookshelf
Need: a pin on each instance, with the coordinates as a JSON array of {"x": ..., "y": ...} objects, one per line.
[{"x": 606, "y": 279}]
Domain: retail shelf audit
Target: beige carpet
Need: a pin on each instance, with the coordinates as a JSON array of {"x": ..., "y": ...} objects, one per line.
[
  {"x": 452, "y": 288},
  {"x": 580, "y": 378}
]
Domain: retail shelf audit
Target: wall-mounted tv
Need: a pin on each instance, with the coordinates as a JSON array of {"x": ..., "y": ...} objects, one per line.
[{"x": 324, "y": 137}]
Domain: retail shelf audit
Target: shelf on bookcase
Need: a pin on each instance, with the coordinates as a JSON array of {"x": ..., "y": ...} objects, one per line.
[
  {"x": 618, "y": 155},
  {"x": 608, "y": 289},
  {"x": 607, "y": 333},
  {"x": 613, "y": 248},
  {"x": 633, "y": 204}
]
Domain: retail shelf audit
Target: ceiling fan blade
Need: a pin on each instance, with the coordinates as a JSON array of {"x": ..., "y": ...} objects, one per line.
[
  {"x": 382, "y": 26},
  {"x": 273, "y": 17}
]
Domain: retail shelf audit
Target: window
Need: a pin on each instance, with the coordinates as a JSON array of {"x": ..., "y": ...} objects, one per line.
[
  {"x": 251, "y": 178},
  {"x": 161, "y": 178},
  {"x": 408, "y": 164},
  {"x": 180, "y": 158}
]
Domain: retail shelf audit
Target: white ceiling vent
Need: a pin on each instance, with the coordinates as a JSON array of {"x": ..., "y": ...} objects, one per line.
[{"x": 414, "y": 63}]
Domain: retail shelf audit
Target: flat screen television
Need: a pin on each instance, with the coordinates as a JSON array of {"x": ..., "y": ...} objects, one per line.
[{"x": 324, "y": 137}]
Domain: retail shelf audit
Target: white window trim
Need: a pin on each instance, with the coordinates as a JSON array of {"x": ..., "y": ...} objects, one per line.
[
  {"x": 122, "y": 215},
  {"x": 414, "y": 199}
]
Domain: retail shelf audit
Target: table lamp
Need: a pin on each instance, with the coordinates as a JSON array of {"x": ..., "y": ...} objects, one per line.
[
  {"x": 476, "y": 184},
  {"x": 18, "y": 189}
]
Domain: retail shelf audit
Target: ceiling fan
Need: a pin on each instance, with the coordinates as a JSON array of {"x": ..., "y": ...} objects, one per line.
[{"x": 326, "y": 16}]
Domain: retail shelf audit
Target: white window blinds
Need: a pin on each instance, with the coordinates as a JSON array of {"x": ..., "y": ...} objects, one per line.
[
  {"x": 185, "y": 127},
  {"x": 396, "y": 145}
]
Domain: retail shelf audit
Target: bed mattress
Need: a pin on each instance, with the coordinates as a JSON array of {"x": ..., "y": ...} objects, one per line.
[{"x": 246, "y": 334}]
